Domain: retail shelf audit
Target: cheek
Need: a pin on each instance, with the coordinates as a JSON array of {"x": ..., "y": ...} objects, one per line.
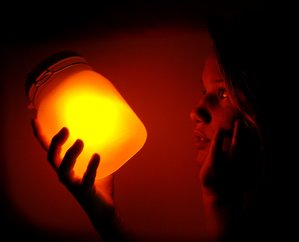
[
  {"x": 224, "y": 117},
  {"x": 201, "y": 157}
]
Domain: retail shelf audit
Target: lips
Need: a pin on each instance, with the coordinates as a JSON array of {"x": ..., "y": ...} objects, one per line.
[{"x": 201, "y": 140}]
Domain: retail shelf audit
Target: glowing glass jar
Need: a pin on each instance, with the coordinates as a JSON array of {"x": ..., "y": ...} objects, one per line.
[{"x": 66, "y": 92}]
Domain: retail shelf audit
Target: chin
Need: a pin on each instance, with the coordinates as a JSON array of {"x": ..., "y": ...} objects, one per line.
[{"x": 210, "y": 197}]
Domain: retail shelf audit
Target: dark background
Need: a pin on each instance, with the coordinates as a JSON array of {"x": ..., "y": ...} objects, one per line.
[
  {"x": 153, "y": 51},
  {"x": 32, "y": 21}
]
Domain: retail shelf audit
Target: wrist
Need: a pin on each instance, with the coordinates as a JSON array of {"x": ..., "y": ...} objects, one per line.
[{"x": 111, "y": 228}]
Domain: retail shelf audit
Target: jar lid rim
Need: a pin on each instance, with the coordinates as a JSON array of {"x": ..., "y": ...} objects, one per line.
[{"x": 44, "y": 65}]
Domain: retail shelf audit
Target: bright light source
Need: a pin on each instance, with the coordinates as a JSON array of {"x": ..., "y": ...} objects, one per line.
[{"x": 66, "y": 92}]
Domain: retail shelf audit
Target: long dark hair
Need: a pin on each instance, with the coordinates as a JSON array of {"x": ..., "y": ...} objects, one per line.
[{"x": 241, "y": 46}]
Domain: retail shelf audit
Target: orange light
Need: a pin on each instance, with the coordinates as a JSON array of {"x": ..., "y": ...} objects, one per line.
[{"x": 66, "y": 92}]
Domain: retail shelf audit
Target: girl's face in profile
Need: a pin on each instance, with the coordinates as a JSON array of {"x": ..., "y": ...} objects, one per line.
[{"x": 214, "y": 109}]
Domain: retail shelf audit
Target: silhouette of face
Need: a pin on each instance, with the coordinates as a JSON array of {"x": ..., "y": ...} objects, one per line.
[{"x": 213, "y": 111}]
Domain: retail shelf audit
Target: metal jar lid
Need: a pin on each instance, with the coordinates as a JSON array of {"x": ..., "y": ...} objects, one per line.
[{"x": 49, "y": 67}]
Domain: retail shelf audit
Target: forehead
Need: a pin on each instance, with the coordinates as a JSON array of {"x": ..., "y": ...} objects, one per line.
[{"x": 211, "y": 72}]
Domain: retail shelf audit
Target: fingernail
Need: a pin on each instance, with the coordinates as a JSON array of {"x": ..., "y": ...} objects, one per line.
[
  {"x": 78, "y": 143},
  {"x": 64, "y": 131},
  {"x": 96, "y": 156}
]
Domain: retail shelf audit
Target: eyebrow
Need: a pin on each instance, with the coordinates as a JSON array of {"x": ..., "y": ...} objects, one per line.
[
  {"x": 213, "y": 81},
  {"x": 202, "y": 86},
  {"x": 218, "y": 80}
]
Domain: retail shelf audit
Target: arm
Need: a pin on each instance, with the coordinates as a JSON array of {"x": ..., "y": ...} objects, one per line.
[
  {"x": 96, "y": 198},
  {"x": 228, "y": 180}
]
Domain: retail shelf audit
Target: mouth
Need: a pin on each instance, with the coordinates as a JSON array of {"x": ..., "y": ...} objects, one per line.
[{"x": 201, "y": 140}]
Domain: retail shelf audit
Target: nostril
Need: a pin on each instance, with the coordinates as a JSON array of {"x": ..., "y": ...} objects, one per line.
[{"x": 203, "y": 115}]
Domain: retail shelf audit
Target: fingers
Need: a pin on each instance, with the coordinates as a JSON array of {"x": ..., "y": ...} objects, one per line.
[
  {"x": 219, "y": 147},
  {"x": 235, "y": 138},
  {"x": 91, "y": 171},
  {"x": 55, "y": 147},
  {"x": 222, "y": 139},
  {"x": 216, "y": 147},
  {"x": 67, "y": 164}
]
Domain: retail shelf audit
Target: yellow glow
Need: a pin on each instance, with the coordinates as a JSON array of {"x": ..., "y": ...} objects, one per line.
[
  {"x": 92, "y": 109},
  {"x": 97, "y": 120}
]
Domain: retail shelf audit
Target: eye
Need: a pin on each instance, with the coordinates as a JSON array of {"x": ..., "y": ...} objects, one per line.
[{"x": 222, "y": 93}]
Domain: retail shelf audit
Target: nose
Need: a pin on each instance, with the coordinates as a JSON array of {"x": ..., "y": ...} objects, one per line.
[
  {"x": 200, "y": 114},
  {"x": 194, "y": 117}
]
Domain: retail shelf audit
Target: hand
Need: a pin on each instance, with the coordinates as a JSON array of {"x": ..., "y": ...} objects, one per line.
[
  {"x": 92, "y": 195},
  {"x": 233, "y": 162},
  {"x": 216, "y": 169}
]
